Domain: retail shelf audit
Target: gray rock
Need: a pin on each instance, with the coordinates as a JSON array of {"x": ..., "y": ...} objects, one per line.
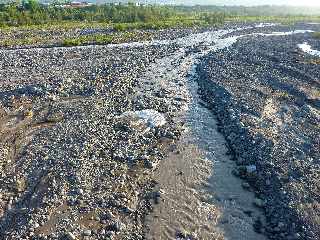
[
  {"x": 251, "y": 169},
  {"x": 246, "y": 185},
  {"x": 87, "y": 232}
]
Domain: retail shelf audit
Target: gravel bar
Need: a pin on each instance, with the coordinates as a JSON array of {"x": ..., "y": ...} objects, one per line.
[{"x": 265, "y": 93}]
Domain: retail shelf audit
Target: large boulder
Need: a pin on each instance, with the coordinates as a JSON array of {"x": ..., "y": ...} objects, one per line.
[{"x": 143, "y": 120}]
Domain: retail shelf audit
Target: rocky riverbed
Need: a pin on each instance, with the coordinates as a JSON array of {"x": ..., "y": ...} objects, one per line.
[
  {"x": 265, "y": 93},
  {"x": 88, "y": 134}
]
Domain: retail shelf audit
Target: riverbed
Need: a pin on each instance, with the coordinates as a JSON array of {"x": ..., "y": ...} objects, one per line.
[{"x": 180, "y": 138}]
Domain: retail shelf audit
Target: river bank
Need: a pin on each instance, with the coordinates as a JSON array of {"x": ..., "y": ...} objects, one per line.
[{"x": 264, "y": 91}]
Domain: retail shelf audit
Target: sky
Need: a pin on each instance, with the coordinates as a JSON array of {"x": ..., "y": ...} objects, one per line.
[{"x": 253, "y": 2}]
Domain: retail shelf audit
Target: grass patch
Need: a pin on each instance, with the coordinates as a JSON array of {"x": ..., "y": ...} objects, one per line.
[
  {"x": 102, "y": 39},
  {"x": 97, "y": 39},
  {"x": 55, "y": 26},
  {"x": 120, "y": 32},
  {"x": 278, "y": 19},
  {"x": 316, "y": 35},
  {"x": 85, "y": 40},
  {"x": 10, "y": 42},
  {"x": 158, "y": 25}
]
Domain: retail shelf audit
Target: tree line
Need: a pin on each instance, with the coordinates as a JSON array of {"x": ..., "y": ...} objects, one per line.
[{"x": 31, "y": 12}]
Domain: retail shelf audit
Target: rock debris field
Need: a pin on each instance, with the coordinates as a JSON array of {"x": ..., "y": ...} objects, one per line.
[{"x": 85, "y": 130}]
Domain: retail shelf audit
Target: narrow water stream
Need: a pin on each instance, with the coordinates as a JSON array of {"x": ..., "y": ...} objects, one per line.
[{"x": 200, "y": 197}]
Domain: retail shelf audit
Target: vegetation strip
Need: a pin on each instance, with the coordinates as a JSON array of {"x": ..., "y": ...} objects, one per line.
[{"x": 29, "y": 23}]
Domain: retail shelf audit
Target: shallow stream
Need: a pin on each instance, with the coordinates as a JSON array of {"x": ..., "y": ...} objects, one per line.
[{"x": 201, "y": 198}]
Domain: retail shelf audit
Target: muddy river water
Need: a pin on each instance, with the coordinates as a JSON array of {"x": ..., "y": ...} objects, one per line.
[{"x": 201, "y": 198}]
